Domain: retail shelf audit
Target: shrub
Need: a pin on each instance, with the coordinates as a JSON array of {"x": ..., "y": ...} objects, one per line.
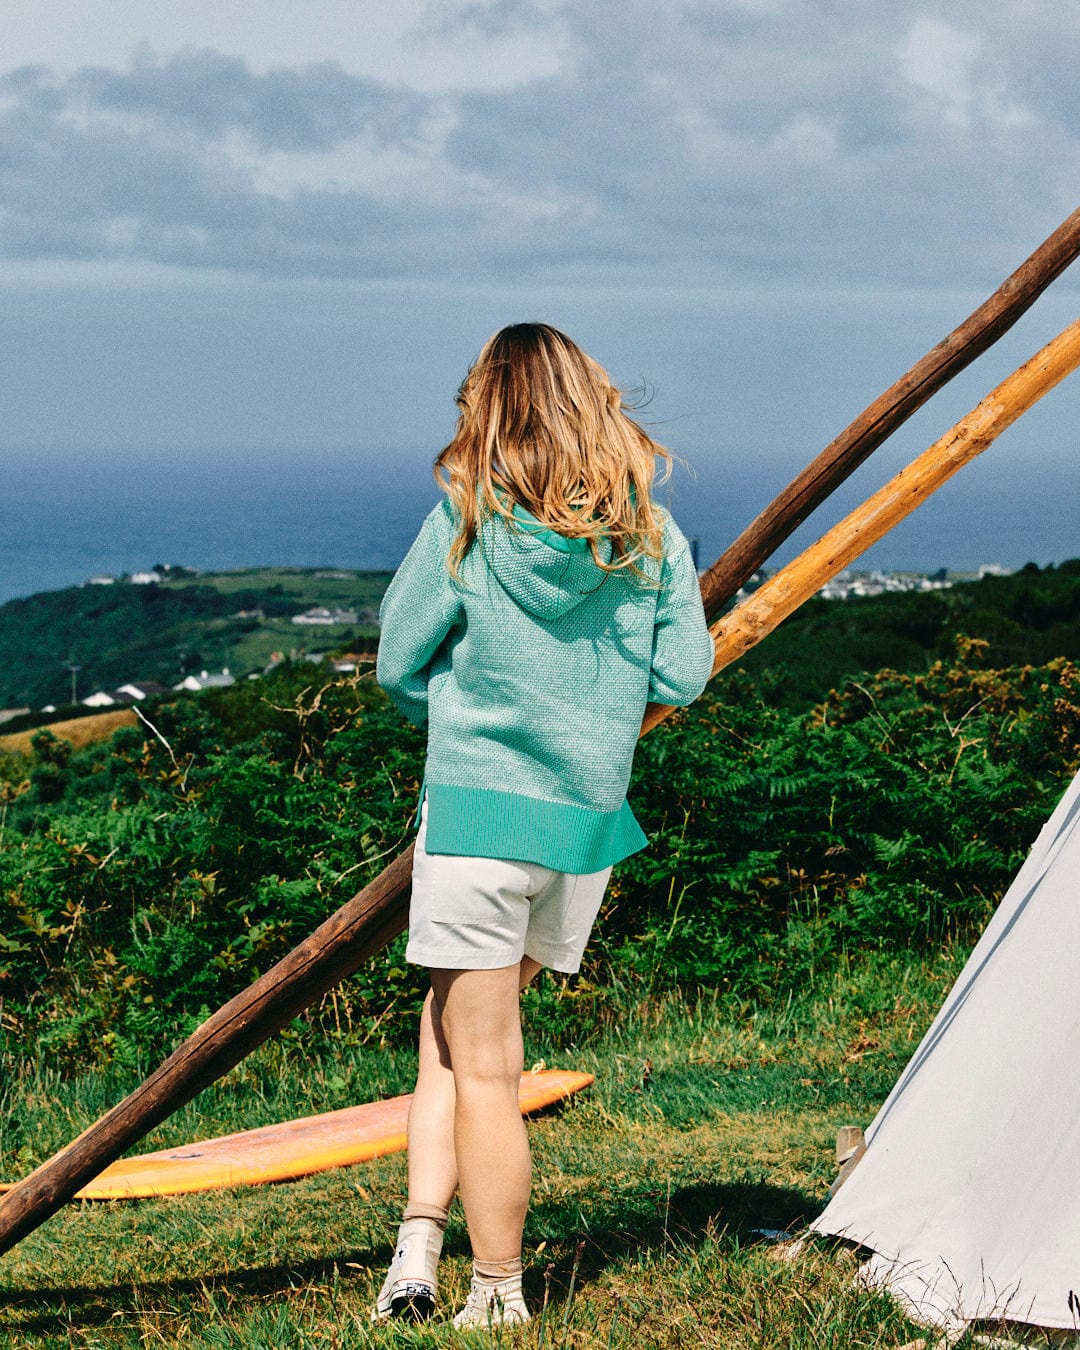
[{"x": 145, "y": 881}]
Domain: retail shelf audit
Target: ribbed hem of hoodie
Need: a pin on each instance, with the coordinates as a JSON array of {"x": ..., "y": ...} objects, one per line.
[{"x": 482, "y": 823}]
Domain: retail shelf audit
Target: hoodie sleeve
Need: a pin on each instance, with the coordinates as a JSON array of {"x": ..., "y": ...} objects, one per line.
[
  {"x": 418, "y": 611},
  {"x": 682, "y": 656}
]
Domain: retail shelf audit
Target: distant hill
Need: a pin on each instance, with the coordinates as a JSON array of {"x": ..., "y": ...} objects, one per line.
[
  {"x": 189, "y": 623},
  {"x": 1027, "y": 618},
  {"x": 164, "y": 630}
]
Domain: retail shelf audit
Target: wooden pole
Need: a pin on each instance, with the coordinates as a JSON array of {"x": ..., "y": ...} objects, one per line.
[
  {"x": 368, "y": 921},
  {"x": 768, "y": 606},
  {"x": 361, "y": 927},
  {"x": 841, "y": 457}
]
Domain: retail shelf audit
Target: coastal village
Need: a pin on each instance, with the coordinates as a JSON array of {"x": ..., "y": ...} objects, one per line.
[
  {"x": 849, "y": 584},
  {"x": 309, "y": 622}
]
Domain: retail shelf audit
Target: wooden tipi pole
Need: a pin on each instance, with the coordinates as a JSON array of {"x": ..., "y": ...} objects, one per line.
[{"x": 335, "y": 950}]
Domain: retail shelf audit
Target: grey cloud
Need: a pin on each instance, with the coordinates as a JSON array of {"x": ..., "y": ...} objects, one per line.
[
  {"x": 156, "y": 183},
  {"x": 787, "y": 144},
  {"x": 315, "y": 108},
  {"x": 707, "y": 142},
  {"x": 312, "y": 109}
]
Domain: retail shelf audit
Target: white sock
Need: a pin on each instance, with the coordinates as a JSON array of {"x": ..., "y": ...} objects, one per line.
[{"x": 500, "y": 1283}]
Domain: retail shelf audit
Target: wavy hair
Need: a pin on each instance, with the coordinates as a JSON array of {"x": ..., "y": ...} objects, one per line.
[{"x": 540, "y": 424}]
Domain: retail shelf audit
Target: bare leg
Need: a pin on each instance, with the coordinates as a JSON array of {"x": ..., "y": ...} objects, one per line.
[
  {"x": 480, "y": 1018},
  {"x": 433, "y": 1172},
  {"x": 409, "y": 1288},
  {"x": 432, "y": 1163}
]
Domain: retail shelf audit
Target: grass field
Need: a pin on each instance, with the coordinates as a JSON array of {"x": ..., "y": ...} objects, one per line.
[
  {"x": 243, "y": 649},
  {"x": 251, "y": 651},
  {"x": 655, "y": 1191},
  {"x": 307, "y": 585},
  {"x": 78, "y": 732}
]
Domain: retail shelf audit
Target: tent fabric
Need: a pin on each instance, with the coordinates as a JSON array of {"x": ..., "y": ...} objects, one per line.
[{"x": 969, "y": 1191}]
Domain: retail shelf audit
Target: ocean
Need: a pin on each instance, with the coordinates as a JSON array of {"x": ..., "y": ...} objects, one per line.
[
  {"x": 65, "y": 518},
  {"x": 62, "y": 522}
]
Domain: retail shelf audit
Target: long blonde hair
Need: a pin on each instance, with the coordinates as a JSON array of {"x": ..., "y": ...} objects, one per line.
[{"x": 541, "y": 424}]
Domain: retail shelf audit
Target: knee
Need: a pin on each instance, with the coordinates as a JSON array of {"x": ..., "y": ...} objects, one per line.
[
  {"x": 486, "y": 1077},
  {"x": 487, "y": 1061},
  {"x": 481, "y": 1021}
]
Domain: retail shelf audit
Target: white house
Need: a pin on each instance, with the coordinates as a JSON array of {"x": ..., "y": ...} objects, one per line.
[
  {"x": 143, "y": 689},
  {"x": 321, "y": 615},
  {"x": 99, "y": 700},
  {"x": 206, "y": 681},
  {"x": 126, "y": 693}
]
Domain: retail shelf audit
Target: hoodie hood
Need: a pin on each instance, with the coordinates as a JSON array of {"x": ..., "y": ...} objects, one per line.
[{"x": 545, "y": 573}]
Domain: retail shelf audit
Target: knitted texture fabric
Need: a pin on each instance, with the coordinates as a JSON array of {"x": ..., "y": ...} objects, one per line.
[{"x": 531, "y": 672}]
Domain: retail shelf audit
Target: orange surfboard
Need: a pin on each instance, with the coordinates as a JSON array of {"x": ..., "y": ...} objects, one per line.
[{"x": 294, "y": 1148}]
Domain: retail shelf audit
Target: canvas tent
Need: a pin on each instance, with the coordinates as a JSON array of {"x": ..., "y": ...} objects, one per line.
[{"x": 968, "y": 1195}]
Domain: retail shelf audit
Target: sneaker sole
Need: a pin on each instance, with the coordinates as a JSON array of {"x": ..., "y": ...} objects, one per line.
[
  {"x": 412, "y": 1308},
  {"x": 409, "y": 1302}
]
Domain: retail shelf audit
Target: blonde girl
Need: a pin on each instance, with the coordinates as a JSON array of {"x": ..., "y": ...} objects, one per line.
[{"x": 545, "y": 601}]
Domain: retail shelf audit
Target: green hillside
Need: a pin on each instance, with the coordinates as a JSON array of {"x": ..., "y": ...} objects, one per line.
[
  {"x": 161, "y": 632},
  {"x": 1027, "y": 619},
  {"x": 239, "y": 619},
  {"x": 145, "y": 879},
  {"x": 758, "y": 977}
]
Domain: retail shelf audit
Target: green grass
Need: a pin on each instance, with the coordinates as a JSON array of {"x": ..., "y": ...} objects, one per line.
[
  {"x": 244, "y": 648},
  {"x": 251, "y": 651},
  {"x": 706, "y": 1123},
  {"x": 307, "y": 585},
  {"x": 123, "y": 632}
]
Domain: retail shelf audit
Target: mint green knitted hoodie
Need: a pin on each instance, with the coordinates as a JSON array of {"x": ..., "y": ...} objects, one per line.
[{"x": 531, "y": 673}]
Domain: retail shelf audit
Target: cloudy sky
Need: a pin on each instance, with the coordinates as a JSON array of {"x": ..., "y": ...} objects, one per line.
[{"x": 240, "y": 231}]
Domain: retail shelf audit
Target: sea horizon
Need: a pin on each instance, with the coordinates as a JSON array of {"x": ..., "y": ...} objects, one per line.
[{"x": 60, "y": 525}]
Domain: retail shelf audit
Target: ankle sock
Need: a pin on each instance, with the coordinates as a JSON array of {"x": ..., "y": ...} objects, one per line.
[
  {"x": 500, "y": 1282},
  {"x": 416, "y": 1209},
  {"x": 497, "y": 1272},
  {"x": 495, "y": 1295}
]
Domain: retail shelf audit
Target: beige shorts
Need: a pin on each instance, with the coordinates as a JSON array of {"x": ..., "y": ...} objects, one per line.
[{"x": 486, "y": 913}]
